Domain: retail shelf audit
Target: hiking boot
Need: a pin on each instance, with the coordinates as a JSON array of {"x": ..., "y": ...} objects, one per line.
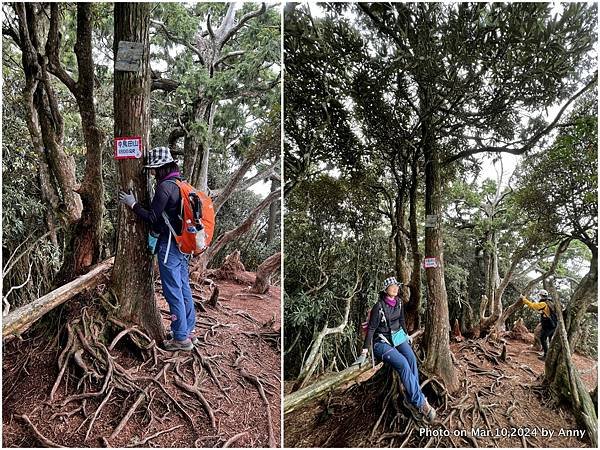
[
  {"x": 428, "y": 412},
  {"x": 194, "y": 339},
  {"x": 174, "y": 345},
  {"x": 412, "y": 409}
]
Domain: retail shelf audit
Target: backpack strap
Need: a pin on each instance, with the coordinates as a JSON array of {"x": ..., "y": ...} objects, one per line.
[{"x": 172, "y": 234}]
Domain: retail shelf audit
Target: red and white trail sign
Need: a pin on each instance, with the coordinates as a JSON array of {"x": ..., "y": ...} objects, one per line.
[
  {"x": 128, "y": 147},
  {"x": 430, "y": 263}
]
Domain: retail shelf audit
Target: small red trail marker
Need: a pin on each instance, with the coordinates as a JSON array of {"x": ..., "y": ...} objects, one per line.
[{"x": 128, "y": 147}]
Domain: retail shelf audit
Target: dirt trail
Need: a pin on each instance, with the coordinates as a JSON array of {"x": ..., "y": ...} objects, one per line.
[
  {"x": 243, "y": 328},
  {"x": 504, "y": 397}
]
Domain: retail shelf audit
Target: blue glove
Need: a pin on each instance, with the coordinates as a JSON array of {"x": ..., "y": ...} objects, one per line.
[
  {"x": 128, "y": 199},
  {"x": 152, "y": 240}
]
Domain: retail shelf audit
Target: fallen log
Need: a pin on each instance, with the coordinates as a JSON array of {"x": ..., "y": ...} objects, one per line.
[
  {"x": 315, "y": 390},
  {"x": 324, "y": 385},
  {"x": 20, "y": 319}
]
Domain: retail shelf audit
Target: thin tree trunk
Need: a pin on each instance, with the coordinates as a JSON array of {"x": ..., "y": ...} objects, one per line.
[
  {"x": 132, "y": 277},
  {"x": 273, "y": 213},
  {"x": 560, "y": 372},
  {"x": 413, "y": 320}
]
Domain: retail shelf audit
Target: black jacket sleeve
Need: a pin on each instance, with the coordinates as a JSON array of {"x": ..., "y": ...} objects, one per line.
[
  {"x": 159, "y": 202},
  {"x": 374, "y": 320}
]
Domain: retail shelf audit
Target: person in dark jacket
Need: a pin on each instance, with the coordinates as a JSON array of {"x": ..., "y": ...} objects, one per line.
[
  {"x": 548, "y": 318},
  {"x": 172, "y": 264},
  {"x": 390, "y": 342}
]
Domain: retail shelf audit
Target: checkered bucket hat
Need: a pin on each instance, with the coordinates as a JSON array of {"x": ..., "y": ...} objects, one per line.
[
  {"x": 389, "y": 281},
  {"x": 158, "y": 156}
]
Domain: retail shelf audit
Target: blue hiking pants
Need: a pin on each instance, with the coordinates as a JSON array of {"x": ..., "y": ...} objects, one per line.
[
  {"x": 403, "y": 359},
  {"x": 175, "y": 279}
]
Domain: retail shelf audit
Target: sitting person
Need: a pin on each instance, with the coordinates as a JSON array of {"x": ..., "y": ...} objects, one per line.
[{"x": 390, "y": 342}]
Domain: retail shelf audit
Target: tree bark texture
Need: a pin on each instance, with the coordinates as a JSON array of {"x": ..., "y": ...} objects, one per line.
[
  {"x": 132, "y": 276},
  {"x": 437, "y": 325},
  {"x": 298, "y": 398},
  {"x": 19, "y": 320},
  {"x": 264, "y": 272}
]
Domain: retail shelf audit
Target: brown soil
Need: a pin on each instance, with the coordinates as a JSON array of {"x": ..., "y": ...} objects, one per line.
[
  {"x": 348, "y": 416},
  {"x": 30, "y": 369}
]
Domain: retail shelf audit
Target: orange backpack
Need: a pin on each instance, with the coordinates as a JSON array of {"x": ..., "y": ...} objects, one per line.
[{"x": 197, "y": 220}]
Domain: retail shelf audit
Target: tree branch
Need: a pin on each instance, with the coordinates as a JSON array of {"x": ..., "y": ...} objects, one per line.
[
  {"x": 177, "y": 40},
  {"x": 163, "y": 84},
  {"x": 530, "y": 142},
  {"x": 269, "y": 171},
  {"x": 227, "y": 56},
  {"x": 228, "y": 34},
  {"x": 244, "y": 227},
  {"x": 53, "y": 52}
]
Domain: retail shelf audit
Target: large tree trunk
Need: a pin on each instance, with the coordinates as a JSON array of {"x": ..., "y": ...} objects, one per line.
[
  {"x": 44, "y": 120},
  {"x": 298, "y": 398},
  {"x": 264, "y": 272},
  {"x": 132, "y": 277},
  {"x": 437, "y": 326}
]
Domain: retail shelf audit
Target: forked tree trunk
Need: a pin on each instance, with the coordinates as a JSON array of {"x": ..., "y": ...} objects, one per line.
[
  {"x": 314, "y": 355},
  {"x": 498, "y": 321},
  {"x": 437, "y": 325},
  {"x": 264, "y": 272},
  {"x": 83, "y": 247},
  {"x": 132, "y": 277}
]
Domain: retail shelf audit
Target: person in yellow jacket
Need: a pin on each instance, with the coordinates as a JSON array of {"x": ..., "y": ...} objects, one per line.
[{"x": 548, "y": 318}]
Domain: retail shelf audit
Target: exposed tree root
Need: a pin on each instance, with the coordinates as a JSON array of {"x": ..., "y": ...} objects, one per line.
[
  {"x": 149, "y": 438},
  {"x": 257, "y": 382},
  {"x": 100, "y": 376},
  {"x": 41, "y": 438},
  {"x": 195, "y": 389},
  {"x": 232, "y": 439}
]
